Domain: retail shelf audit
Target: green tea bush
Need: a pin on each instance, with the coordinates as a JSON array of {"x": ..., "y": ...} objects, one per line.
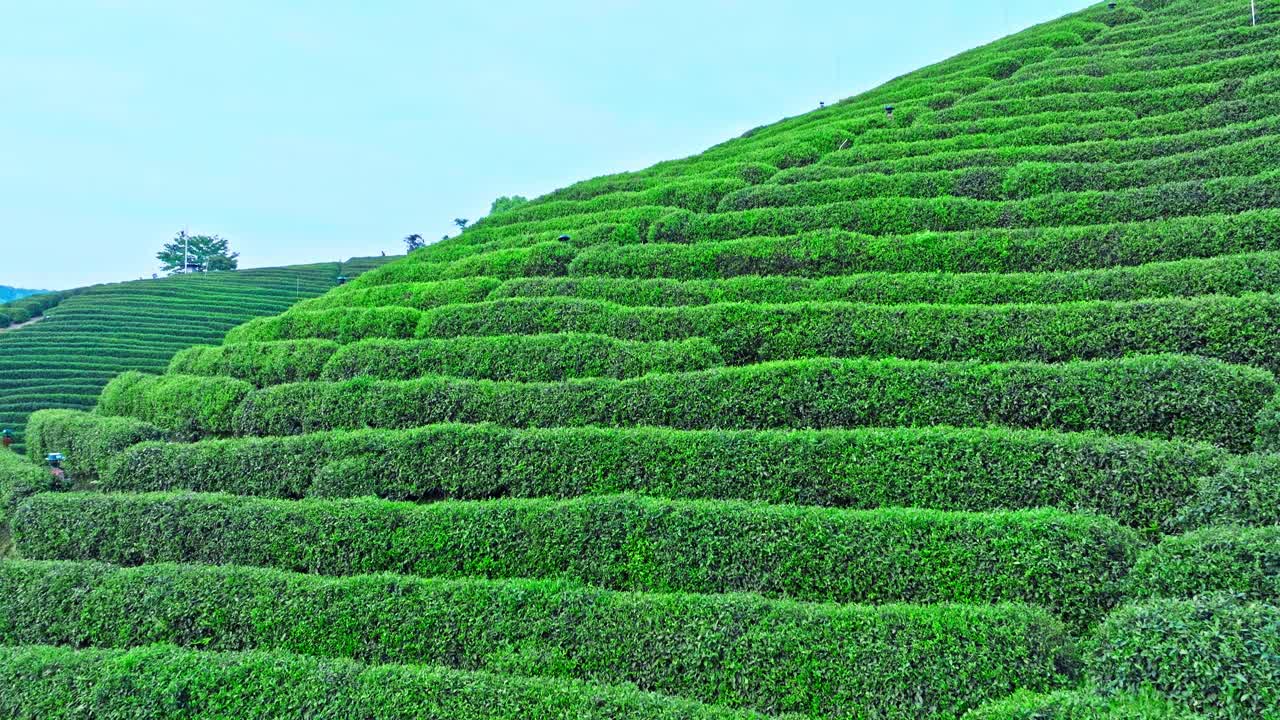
[
  {"x": 342, "y": 325},
  {"x": 525, "y": 358},
  {"x": 43, "y": 683},
  {"x": 1073, "y": 564},
  {"x": 1158, "y": 396},
  {"x": 185, "y": 404},
  {"x": 1138, "y": 482},
  {"x": 420, "y": 295},
  {"x": 88, "y": 441},
  {"x": 1243, "y": 561},
  {"x": 1223, "y": 275},
  {"x": 1243, "y": 330},
  {"x": 1026, "y": 250},
  {"x": 1244, "y": 492},
  {"x": 259, "y": 363},
  {"x": 1081, "y": 705},
  {"x": 733, "y": 650},
  {"x": 19, "y": 480},
  {"x": 1216, "y": 654}
]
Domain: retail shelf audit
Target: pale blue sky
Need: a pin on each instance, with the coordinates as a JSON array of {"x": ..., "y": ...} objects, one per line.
[{"x": 312, "y": 131}]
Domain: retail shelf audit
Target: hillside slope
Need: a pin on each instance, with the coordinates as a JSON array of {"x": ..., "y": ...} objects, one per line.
[
  {"x": 89, "y": 335},
  {"x": 855, "y": 416}
]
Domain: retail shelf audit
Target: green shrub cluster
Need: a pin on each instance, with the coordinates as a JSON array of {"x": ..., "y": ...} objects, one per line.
[
  {"x": 185, "y": 404},
  {"x": 1223, "y": 275},
  {"x": 43, "y": 683},
  {"x": 259, "y": 363},
  {"x": 1243, "y": 561},
  {"x": 19, "y": 480},
  {"x": 899, "y": 216},
  {"x": 524, "y": 358},
  {"x": 1138, "y": 482},
  {"x": 1216, "y": 654},
  {"x": 421, "y": 295},
  {"x": 832, "y": 252},
  {"x": 1243, "y": 330},
  {"x": 1156, "y": 396},
  {"x": 88, "y": 441},
  {"x": 342, "y": 325},
  {"x": 1081, "y": 705},
  {"x": 1244, "y": 492},
  {"x": 1072, "y": 564},
  {"x": 733, "y": 650}
]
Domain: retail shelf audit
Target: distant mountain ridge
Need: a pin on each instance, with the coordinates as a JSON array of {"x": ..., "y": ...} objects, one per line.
[{"x": 9, "y": 294}]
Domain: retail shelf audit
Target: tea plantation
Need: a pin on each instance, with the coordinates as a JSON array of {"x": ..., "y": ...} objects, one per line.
[
  {"x": 88, "y": 335},
  {"x": 967, "y": 410}
]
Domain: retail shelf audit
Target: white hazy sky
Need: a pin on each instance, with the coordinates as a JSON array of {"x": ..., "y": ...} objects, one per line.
[{"x": 313, "y": 131}]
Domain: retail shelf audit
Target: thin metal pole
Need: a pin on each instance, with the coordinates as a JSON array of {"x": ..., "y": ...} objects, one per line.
[{"x": 1253, "y": 10}]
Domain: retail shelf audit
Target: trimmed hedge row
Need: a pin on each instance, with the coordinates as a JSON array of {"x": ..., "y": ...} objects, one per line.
[
  {"x": 43, "y": 683},
  {"x": 1224, "y": 275},
  {"x": 88, "y": 441},
  {"x": 1216, "y": 654},
  {"x": 736, "y": 650},
  {"x": 1073, "y": 564},
  {"x": 1244, "y": 561},
  {"x": 19, "y": 480},
  {"x": 995, "y": 251},
  {"x": 1017, "y": 182},
  {"x": 185, "y": 404},
  {"x": 259, "y": 363},
  {"x": 524, "y": 358},
  {"x": 342, "y": 325},
  {"x": 1138, "y": 482},
  {"x": 1081, "y": 705},
  {"x": 901, "y": 216},
  {"x": 419, "y": 295},
  {"x": 1244, "y": 492},
  {"x": 1243, "y": 330},
  {"x": 1155, "y": 396}
]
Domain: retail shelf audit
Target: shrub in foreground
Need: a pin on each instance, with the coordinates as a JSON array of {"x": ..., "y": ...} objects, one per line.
[
  {"x": 186, "y": 404},
  {"x": 735, "y": 650},
  {"x": 1216, "y": 654},
  {"x": 45, "y": 683},
  {"x": 1243, "y": 492},
  {"x": 19, "y": 480},
  {"x": 1073, "y": 564},
  {"x": 1138, "y": 482},
  {"x": 88, "y": 441},
  {"x": 1081, "y": 705},
  {"x": 1244, "y": 561}
]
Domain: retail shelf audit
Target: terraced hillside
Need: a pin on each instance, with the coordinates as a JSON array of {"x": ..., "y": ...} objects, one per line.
[
  {"x": 966, "y": 411},
  {"x": 89, "y": 335}
]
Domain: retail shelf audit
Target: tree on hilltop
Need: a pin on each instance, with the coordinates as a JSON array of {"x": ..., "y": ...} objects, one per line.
[
  {"x": 211, "y": 252},
  {"x": 504, "y": 203},
  {"x": 414, "y": 242}
]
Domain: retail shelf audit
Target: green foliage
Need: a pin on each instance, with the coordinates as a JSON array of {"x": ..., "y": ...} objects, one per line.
[
  {"x": 523, "y": 358},
  {"x": 1216, "y": 654},
  {"x": 507, "y": 204},
  {"x": 210, "y": 251},
  {"x": 50, "y": 683},
  {"x": 1157, "y": 396},
  {"x": 19, "y": 480},
  {"x": 185, "y": 404},
  {"x": 1244, "y": 492},
  {"x": 733, "y": 650},
  {"x": 1073, "y": 564},
  {"x": 343, "y": 325},
  {"x": 1244, "y": 330},
  {"x": 1137, "y": 482},
  {"x": 1243, "y": 561},
  {"x": 1081, "y": 705},
  {"x": 421, "y": 295},
  {"x": 88, "y": 441},
  {"x": 259, "y": 363}
]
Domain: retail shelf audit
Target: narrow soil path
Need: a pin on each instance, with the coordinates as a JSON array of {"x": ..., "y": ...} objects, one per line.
[{"x": 19, "y": 326}]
